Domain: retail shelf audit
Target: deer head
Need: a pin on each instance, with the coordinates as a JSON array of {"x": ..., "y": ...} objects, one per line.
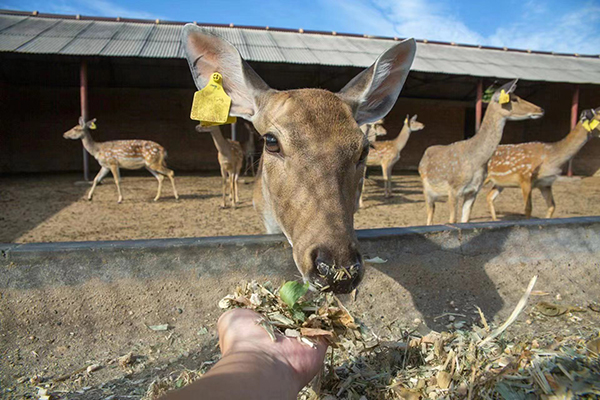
[
  {"x": 78, "y": 131},
  {"x": 413, "y": 124},
  {"x": 374, "y": 129},
  {"x": 314, "y": 151},
  {"x": 511, "y": 106}
]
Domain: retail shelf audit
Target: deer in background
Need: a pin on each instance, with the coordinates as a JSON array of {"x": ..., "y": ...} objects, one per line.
[
  {"x": 458, "y": 170},
  {"x": 537, "y": 165},
  {"x": 231, "y": 157},
  {"x": 250, "y": 149},
  {"x": 128, "y": 154},
  {"x": 308, "y": 184},
  {"x": 386, "y": 153}
]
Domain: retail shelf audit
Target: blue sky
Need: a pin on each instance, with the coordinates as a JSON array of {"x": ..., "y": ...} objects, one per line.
[{"x": 571, "y": 26}]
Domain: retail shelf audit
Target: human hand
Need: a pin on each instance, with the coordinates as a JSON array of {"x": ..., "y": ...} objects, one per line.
[{"x": 239, "y": 332}]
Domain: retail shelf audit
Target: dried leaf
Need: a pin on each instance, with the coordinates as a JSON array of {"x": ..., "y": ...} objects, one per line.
[
  {"x": 162, "y": 327},
  {"x": 310, "y": 332},
  {"x": 443, "y": 379}
]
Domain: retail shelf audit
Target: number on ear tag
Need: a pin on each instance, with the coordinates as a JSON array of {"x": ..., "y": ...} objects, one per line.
[
  {"x": 211, "y": 104},
  {"x": 93, "y": 125},
  {"x": 504, "y": 97}
]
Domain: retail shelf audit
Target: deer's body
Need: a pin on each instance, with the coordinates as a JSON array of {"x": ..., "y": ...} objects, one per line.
[
  {"x": 533, "y": 165},
  {"x": 128, "y": 154},
  {"x": 314, "y": 151},
  {"x": 458, "y": 170},
  {"x": 386, "y": 153},
  {"x": 231, "y": 157}
]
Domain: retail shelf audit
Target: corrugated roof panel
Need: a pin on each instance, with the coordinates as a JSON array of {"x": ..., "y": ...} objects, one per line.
[
  {"x": 133, "y": 31},
  {"x": 288, "y": 40},
  {"x": 13, "y": 42},
  {"x": 325, "y": 57},
  {"x": 165, "y": 33},
  {"x": 30, "y": 26},
  {"x": 266, "y": 54},
  {"x": 258, "y": 38},
  {"x": 300, "y": 56},
  {"x": 85, "y": 46},
  {"x": 67, "y": 28},
  {"x": 45, "y": 45},
  {"x": 160, "y": 49},
  {"x": 123, "y": 48},
  {"x": 7, "y": 21},
  {"x": 112, "y": 38},
  {"x": 101, "y": 30}
]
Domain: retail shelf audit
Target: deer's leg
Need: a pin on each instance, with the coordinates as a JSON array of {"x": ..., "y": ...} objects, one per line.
[
  {"x": 252, "y": 165},
  {"x": 467, "y": 207},
  {"x": 171, "y": 175},
  {"x": 453, "y": 204},
  {"x": 117, "y": 175},
  {"x": 159, "y": 178},
  {"x": 526, "y": 190},
  {"x": 388, "y": 180},
  {"x": 232, "y": 189},
  {"x": 223, "y": 186},
  {"x": 101, "y": 174},
  {"x": 236, "y": 187},
  {"x": 549, "y": 197},
  {"x": 495, "y": 192},
  {"x": 430, "y": 204}
]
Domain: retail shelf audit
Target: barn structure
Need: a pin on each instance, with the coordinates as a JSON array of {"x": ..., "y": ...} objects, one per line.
[{"x": 131, "y": 76}]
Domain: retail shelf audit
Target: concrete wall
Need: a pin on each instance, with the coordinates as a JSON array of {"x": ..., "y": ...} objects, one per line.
[{"x": 484, "y": 264}]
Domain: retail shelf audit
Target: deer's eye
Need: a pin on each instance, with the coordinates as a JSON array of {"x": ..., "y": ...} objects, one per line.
[{"x": 271, "y": 143}]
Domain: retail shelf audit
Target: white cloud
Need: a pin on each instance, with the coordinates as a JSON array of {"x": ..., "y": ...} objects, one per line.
[{"x": 538, "y": 27}]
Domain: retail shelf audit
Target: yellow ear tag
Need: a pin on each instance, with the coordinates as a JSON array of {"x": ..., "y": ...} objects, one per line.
[
  {"x": 93, "y": 125},
  {"x": 504, "y": 97},
  {"x": 211, "y": 104},
  {"x": 590, "y": 125}
]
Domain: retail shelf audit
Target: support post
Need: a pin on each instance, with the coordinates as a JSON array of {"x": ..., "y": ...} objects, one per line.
[
  {"x": 234, "y": 131},
  {"x": 478, "y": 105},
  {"x": 83, "y": 95},
  {"x": 574, "y": 112}
]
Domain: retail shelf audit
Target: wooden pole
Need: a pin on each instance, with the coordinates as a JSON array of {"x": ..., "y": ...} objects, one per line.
[
  {"x": 234, "y": 131},
  {"x": 479, "y": 105},
  {"x": 574, "y": 112},
  {"x": 83, "y": 95}
]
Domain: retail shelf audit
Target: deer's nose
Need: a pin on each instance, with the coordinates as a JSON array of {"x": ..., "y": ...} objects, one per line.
[{"x": 327, "y": 275}]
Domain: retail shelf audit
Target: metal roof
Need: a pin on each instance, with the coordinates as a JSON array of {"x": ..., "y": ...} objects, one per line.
[{"x": 70, "y": 35}]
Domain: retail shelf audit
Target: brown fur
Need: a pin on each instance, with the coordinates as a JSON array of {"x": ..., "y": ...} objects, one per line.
[
  {"x": 128, "y": 154},
  {"x": 458, "y": 170},
  {"x": 534, "y": 165}
]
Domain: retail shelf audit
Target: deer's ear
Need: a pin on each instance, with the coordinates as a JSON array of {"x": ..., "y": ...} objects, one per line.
[
  {"x": 414, "y": 118},
  {"x": 207, "y": 53},
  {"x": 373, "y": 92},
  {"x": 81, "y": 121}
]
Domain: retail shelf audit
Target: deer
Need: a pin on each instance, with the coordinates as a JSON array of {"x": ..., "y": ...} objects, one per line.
[
  {"x": 537, "y": 165},
  {"x": 386, "y": 153},
  {"x": 458, "y": 170},
  {"x": 128, "y": 154},
  {"x": 231, "y": 157},
  {"x": 250, "y": 150},
  {"x": 309, "y": 177}
]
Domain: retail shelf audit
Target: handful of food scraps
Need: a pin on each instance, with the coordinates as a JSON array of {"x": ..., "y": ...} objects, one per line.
[{"x": 294, "y": 311}]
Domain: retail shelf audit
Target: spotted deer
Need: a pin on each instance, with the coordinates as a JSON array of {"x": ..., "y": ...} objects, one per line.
[
  {"x": 537, "y": 165},
  {"x": 308, "y": 184},
  {"x": 128, "y": 154},
  {"x": 386, "y": 153},
  {"x": 231, "y": 157},
  {"x": 458, "y": 170}
]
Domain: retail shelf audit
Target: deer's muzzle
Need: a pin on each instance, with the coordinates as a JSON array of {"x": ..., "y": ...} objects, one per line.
[{"x": 326, "y": 275}]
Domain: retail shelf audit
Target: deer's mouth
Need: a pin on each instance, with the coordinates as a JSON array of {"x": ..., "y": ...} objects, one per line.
[{"x": 339, "y": 280}]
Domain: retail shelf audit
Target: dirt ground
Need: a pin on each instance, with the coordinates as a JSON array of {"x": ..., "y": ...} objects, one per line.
[{"x": 52, "y": 208}]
